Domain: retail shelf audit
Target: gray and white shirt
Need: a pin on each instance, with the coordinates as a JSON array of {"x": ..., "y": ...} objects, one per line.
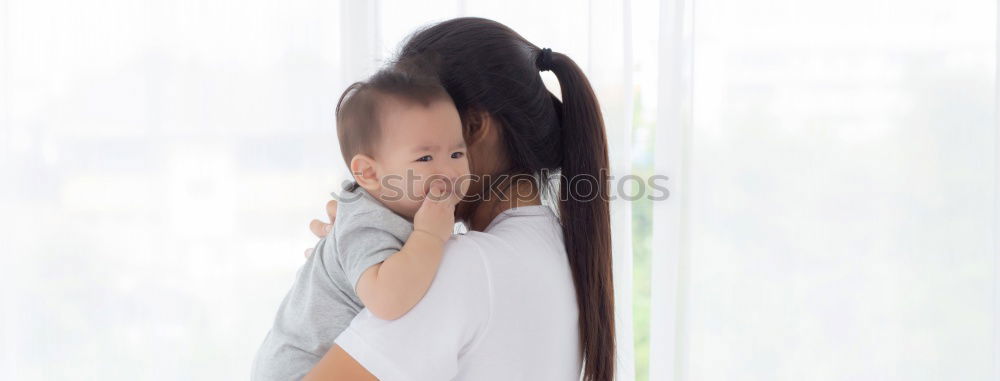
[{"x": 322, "y": 300}]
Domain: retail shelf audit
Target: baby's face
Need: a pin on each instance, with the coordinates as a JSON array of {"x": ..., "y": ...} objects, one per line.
[{"x": 419, "y": 144}]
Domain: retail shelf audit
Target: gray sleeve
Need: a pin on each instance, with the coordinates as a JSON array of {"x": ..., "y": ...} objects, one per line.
[
  {"x": 309, "y": 318},
  {"x": 369, "y": 238}
]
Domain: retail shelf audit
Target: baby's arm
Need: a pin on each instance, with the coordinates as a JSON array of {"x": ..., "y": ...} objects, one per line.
[{"x": 391, "y": 288}]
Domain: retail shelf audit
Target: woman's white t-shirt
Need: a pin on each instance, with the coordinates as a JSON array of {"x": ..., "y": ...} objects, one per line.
[{"x": 501, "y": 307}]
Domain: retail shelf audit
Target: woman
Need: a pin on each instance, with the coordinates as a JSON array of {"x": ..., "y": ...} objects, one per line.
[{"x": 523, "y": 295}]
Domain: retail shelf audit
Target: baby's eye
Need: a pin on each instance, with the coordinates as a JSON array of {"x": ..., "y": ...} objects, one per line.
[
  {"x": 457, "y": 155},
  {"x": 425, "y": 158}
]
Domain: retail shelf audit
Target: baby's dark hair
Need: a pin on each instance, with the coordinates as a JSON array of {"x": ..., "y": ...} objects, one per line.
[{"x": 360, "y": 106}]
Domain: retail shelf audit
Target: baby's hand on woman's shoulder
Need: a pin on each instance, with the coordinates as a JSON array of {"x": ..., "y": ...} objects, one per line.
[
  {"x": 437, "y": 212},
  {"x": 320, "y": 228}
]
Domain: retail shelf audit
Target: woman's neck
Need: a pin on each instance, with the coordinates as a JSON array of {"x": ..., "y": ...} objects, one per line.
[{"x": 525, "y": 193}]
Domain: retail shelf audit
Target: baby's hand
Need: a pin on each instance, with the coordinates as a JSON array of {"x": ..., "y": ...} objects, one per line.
[{"x": 437, "y": 213}]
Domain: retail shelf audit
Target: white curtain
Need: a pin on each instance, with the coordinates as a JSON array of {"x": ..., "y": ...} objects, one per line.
[
  {"x": 833, "y": 206},
  {"x": 831, "y": 170}
]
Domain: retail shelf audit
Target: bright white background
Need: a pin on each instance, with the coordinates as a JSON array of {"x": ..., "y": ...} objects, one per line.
[{"x": 832, "y": 173}]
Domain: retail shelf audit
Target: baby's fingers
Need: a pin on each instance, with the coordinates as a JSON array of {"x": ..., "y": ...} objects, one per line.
[
  {"x": 447, "y": 195},
  {"x": 320, "y": 228},
  {"x": 453, "y": 197},
  {"x": 437, "y": 191}
]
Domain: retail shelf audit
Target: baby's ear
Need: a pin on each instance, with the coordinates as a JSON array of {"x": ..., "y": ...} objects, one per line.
[{"x": 363, "y": 168}]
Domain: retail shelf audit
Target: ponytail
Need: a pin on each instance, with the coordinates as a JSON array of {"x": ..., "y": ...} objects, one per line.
[
  {"x": 585, "y": 215},
  {"x": 486, "y": 66}
]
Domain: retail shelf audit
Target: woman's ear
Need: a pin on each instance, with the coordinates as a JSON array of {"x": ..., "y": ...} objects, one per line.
[
  {"x": 478, "y": 126},
  {"x": 363, "y": 167}
]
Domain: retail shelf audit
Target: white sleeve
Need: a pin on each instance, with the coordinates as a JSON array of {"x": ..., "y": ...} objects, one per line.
[{"x": 427, "y": 342}]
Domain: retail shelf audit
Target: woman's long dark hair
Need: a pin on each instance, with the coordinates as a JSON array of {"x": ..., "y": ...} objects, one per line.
[{"x": 487, "y": 67}]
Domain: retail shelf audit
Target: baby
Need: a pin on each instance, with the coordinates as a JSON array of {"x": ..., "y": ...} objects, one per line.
[{"x": 401, "y": 136}]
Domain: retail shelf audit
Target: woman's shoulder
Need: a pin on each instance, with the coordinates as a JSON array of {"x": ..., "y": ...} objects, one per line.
[
  {"x": 451, "y": 318},
  {"x": 464, "y": 255},
  {"x": 528, "y": 236},
  {"x": 464, "y": 251},
  {"x": 522, "y": 231}
]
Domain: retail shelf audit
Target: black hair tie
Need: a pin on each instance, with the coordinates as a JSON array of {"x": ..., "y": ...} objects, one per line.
[{"x": 544, "y": 60}]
